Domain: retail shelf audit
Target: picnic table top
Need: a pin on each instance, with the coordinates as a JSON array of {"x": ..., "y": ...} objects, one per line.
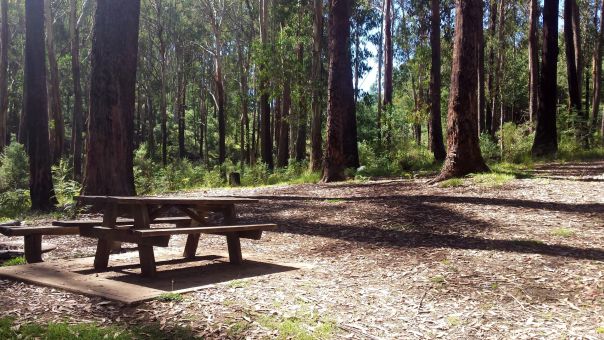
[{"x": 207, "y": 200}]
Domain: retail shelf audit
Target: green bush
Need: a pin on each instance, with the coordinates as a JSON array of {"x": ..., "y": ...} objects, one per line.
[
  {"x": 517, "y": 142},
  {"x": 14, "y": 203},
  {"x": 14, "y": 168},
  {"x": 489, "y": 148},
  {"x": 65, "y": 187}
]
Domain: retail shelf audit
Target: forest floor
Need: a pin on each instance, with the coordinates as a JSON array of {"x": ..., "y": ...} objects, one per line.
[{"x": 388, "y": 259}]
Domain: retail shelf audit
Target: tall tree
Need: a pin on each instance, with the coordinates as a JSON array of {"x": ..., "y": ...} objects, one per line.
[
  {"x": 491, "y": 63},
  {"x": 159, "y": 9},
  {"x": 533, "y": 60},
  {"x": 388, "y": 53},
  {"x": 436, "y": 134},
  {"x": 546, "y": 138},
  {"x": 266, "y": 141},
  {"x": 597, "y": 68},
  {"x": 4, "y": 43},
  {"x": 463, "y": 150},
  {"x": 36, "y": 108},
  {"x": 316, "y": 126},
  {"x": 77, "y": 115},
  {"x": 340, "y": 100},
  {"x": 57, "y": 136},
  {"x": 112, "y": 97},
  {"x": 572, "y": 61}
]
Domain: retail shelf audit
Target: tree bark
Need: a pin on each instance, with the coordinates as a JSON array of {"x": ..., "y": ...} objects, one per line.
[
  {"x": 546, "y": 138},
  {"x": 463, "y": 150},
  {"x": 436, "y": 132},
  {"x": 316, "y": 126},
  {"x": 36, "y": 109},
  {"x": 77, "y": 115},
  {"x": 266, "y": 141},
  {"x": 491, "y": 75},
  {"x": 302, "y": 115},
  {"x": 574, "y": 84},
  {"x": 162, "y": 82},
  {"x": 4, "y": 44},
  {"x": 481, "y": 85},
  {"x": 57, "y": 136},
  {"x": 340, "y": 101},
  {"x": 283, "y": 131},
  {"x": 388, "y": 53},
  {"x": 114, "y": 58},
  {"x": 597, "y": 70},
  {"x": 533, "y": 61},
  {"x": 497, "y": 98}
]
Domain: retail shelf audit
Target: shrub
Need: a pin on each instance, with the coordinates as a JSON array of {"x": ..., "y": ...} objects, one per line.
[
  {"x": 517, "y": 142},
  {"x": 65, "y": 188},
  {"x": 14, "y": 168},
  {"x": 489, "y": 149},
  {"x": 14, "y": 203}
]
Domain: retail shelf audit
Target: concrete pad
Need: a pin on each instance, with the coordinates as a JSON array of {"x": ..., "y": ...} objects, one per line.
[{"x": 122, "y": 282}]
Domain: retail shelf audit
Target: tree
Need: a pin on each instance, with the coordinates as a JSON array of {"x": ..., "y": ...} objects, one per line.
[
  {"x": 112, "y": 98},
  {"x": 77, "y": 116},
  {"x": 3, "y": 73},
  {"x": 57, "y": 135},
  {"x": 546, "y": 137},
  {"x": 315, "y": 132},
  {"x": 266, "y": 141},
  {"x": 36, "y": 108},
  {"x": 436, "y": 135},
  {"x": 491, "y": 63},
  {"x": 340, "y": 95},
  {"x": 597, "y": 68},
  {"x": 533, "y": 60},
  {"x": 463, "y": 150},
  {"x": 388, "y": 53}
]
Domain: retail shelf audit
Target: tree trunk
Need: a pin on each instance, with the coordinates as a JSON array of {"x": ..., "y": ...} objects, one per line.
[
  {"x": 114, "y": 58},
  {"x": 162, "y": 83},
  {"x": 481, "y": 85},
  {"x": 436, "y": 132},
  {"x": 597, "y": 70},
  {"x": 380, "y": 57},
  {"x": 340, "y": 101},
  {"x": 4, "y": 43},
  {"x": 574, "y": 84},
  {"x": 77, "y": 115},
  {"x": 496, "y": 97},
  {"x": 283, "y": 131},
  {"x": 463, "y": 150},
  {"x": 533, "y": 61},
  {"x": 388, "y": 53},
  {"x": 266, "y": 140},
  {"x": 302, "y": 116},
  {"x": 546, "y": 138},
  {"x": 491, "y": 75},
  {"x": 316, "y": 126},
  {"x": 57, "y": 136},
  {"x": 36, "y": 109}
]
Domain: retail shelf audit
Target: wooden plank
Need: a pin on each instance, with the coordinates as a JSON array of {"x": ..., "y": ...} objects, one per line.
[
  {"x": 124, "y": 236},
  {"x": 101, "y": 257},
  {"x": 147, "y": 260},
  {"x": 164, "y": 200},
  {"x": 33, "y": 248},
  {"x": 203, "y": 230},
  {"x": 234, "y": 245},
  {"x": 191, "y": 246},
  {"x": 45, "y": 230},
  {"x": 120, "y": 222}
]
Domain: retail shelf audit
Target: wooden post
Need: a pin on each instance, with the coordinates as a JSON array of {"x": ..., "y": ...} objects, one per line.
[
  {"x": 234, "y": 245},
  {"x": 33, "y": 248},
  {"x": 229, "y": 214},
  {"x": 101, "y": 258},
  {"x": 110, "y": 214},
  {"x": 234, "y": 179},
  {"x": 140, "y": 213}
]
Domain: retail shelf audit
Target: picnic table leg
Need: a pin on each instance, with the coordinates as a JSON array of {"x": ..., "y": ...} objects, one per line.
[
  {"x": 234, "y": 245},
  {"x": 33, "y": 248},
  {"x": 229, "y": 214},
  {"x": 109, "y": 220},
  {"x": 147, "y": 258},
  {"x": 193, "y": 239},
  {"x": 101, "y": 258}
]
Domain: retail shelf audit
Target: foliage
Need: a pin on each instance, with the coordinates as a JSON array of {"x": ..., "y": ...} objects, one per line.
[
  {"x": 14, "y": 168},
  {"x": 517, "y": 142},
  {"x": 65, "y": 187},
  {"x": 492, "y": 179},
  {"x": 170, "y": 297},
  {"x": 15, "y": 261},
  {"x": 14, "y": 203},
  {"x": 57, "y": 331}
]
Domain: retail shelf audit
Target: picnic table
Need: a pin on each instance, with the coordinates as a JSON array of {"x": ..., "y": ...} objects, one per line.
[{"x": 144, "y": 211}]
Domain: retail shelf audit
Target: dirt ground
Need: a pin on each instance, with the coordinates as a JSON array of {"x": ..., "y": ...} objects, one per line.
[{"x": 387, "y": 259}]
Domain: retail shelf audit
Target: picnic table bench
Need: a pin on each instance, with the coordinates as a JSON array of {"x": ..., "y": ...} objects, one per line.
[
  {"x": 32, "y": 235},
  {"x": 145, "y": 212}
]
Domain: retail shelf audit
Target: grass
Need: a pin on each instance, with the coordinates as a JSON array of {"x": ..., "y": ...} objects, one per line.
[
  {"x": 451, "y": 183},
  {"x": 15, "y": 261},
  {"x": 563, "y": 232},
  {"x": 438, "y": 279},
  {"x": 306, "y": 324},
  {"x": 600, "y": 330},
  {"x": 334, "y": 200},
  {"x": 58, "y": 331},
  {"x": 239, "y": 283},
  {"x": 492, "y": 180},
  {"x": 170, "y": 297}
]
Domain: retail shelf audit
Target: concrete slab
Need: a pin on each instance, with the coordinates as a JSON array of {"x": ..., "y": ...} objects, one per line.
[{"x": 122, "y": 282}]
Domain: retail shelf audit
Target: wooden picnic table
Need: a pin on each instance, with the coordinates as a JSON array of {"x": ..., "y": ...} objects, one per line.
[{"x": 145, "y": 210}]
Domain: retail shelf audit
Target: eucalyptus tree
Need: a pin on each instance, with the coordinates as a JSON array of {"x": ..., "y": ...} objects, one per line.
[{"x": 4, "y": 43}]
